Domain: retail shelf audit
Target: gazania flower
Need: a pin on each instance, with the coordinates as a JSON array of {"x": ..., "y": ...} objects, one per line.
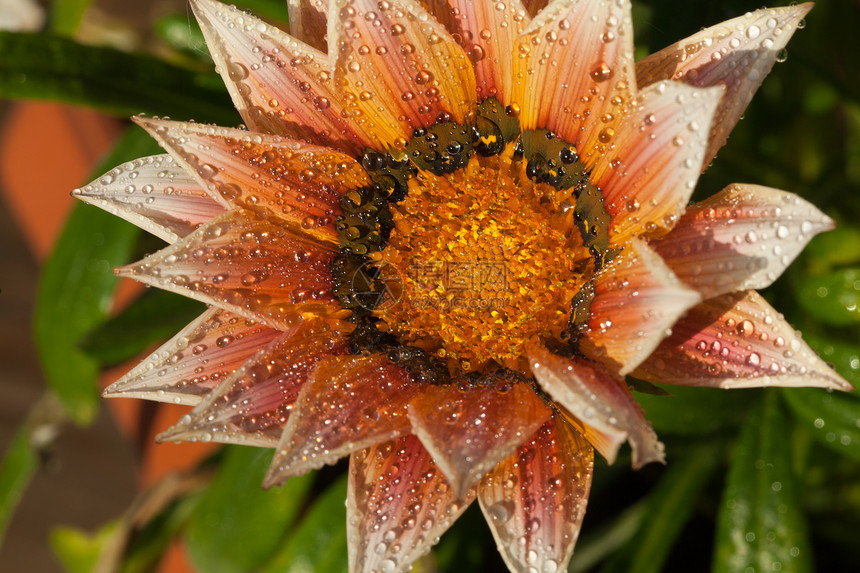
[{"x": 448, "y": 233}]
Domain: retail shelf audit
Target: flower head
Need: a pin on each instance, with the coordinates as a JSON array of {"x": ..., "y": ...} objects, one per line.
[{"x": 448, "y": 233}]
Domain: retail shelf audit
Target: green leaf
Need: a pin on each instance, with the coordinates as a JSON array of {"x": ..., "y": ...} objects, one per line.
[
  {"x": 645, "y": 387},
  {"x": 238, "y": 525},
  {"x": 462, "y": 546},
  {"x": 43, "y": 66},
  {"x": 834, "y": 248},
  {"x": 844, "y": 357},
  {"x": 183, "y": 34},
  {"x": 21, "y": 459},
  {"x": 66, "y": 15},
  {"x": 77, "y": 550},
  {"x": 598, "y": 544},
  {"x": 833, "y": 298},
  {"x": 20, "y": 463},
  {"x": 694, "y": 411},
  {"x": 148, "y": 545},
  {"x": 833, "y": 418},
  {"x": 76, "y": 288},
  {"x": 319, "y": 542},
  {"x": 668, "y": 508},
  {"x": 274, "y": 11},
  {"x": 760, "y": 522},
  {"x": 156, "y": 315}
]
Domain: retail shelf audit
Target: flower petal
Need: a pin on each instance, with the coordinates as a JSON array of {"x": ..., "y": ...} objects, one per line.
[
  {"x": 737, "y": 340},
  {"x": 655, "y": 158},
  {"x": 308, "y": 22},
  {"x": 278, "y": 84},
  {"x": 741, "y": 238},
  {"x": 347, "y": 404},
  {"x": 257, "y": 268},
  {"x": 554, "y": 467},
  {"x": 155, "y": 194},
  {"x": 737, "y": 54},
  {"x": 300, "y": 183},
  {"x": 573, "y": 72},
  {"x": 196, "y": 360},
  {"x": 488, "y": 31},
  {"x": 535, "y": 6},
  {"x": 636, "y": 301},
  {"x": 252, "y": 406},
  {"x": 599, "y": 401},
  {"x": 398, "y": 504},
  {"x": 468, "y": 429},
  {"x": 397, "y": 64}
]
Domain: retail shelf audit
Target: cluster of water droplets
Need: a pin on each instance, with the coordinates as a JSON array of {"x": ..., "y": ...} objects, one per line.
[
  {"x": 154, "y": 193},
  {"x": 252, "y": 405},
  {"x": 196, "y": 360},
  {"x": 399, "y": 506}
]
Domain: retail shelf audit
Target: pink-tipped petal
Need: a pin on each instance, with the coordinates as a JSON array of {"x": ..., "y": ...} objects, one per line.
[
  {"x": 554, "y": 467},
  {"x": 573, "y": 72},
  {"x": 599, "y": 401},
  {"x": 636, "y": 301},
  {"x": 199, "y": 358},
  {"x": 488, "y": 31},
  {"x": 252, "y": 406},
  {"x": 395, "y": 63},
  {"x": 279, "y": 84},
  {"x": 309, "y": 22},
  {"x": 154, "y": 193},
  {"x": 347, "y": 404},
  {"x": 741, "y": 238},
  {"x": 398, "y": 505},
  {"x": 737, "y": 54},
  {"x": 257, "y": 268},
  {"x": 299, "y": 183},
  {"x": 654, "y": 158},
  {"x": 737, "y": 340},
  {"x": 469, "y": 429}
]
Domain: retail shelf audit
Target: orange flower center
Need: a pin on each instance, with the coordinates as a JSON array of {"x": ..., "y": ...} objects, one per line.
[{"x": 479, "y": 262}]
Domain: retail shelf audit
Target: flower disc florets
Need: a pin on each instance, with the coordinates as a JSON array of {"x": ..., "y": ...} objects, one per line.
[{"x": 487, "y": 261}]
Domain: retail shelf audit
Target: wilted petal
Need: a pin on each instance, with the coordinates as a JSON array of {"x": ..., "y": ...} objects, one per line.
[
  {"x": 573, "y": 72},
  {"x": 279, "y": 84},
  {"x": 256, "y": 268},
  {"x": 489, "y": 31},
  {"x": 196, "y": 360},
  {"x": 252, "y": 406},
  {"x": 155, "y": 194},
  {"x": 737, "y": 340},
  {"x": 469, "y": 429},
  {"x": 737, "y": 54},
  {"x": 554, "y": 467},
  {"x": 398, "y": 504},
  {"x": 741, "y": 238},
  {"x": 655, "y": 157},
  {"x": 636, "y": 301},
  {"x": 308, "y": 22},
  {"x": 300, "y": 183},
  {"x": 599, "y": 401},
  {"x": 395, "y": 63},
  {"x": 347, "y": 404}
]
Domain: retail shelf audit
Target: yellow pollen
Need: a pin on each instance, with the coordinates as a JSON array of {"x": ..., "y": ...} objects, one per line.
[{"x": 486, "y": 259}]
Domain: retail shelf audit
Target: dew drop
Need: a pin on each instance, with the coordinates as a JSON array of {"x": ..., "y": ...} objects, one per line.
[{"x": 601, "y": 72}]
